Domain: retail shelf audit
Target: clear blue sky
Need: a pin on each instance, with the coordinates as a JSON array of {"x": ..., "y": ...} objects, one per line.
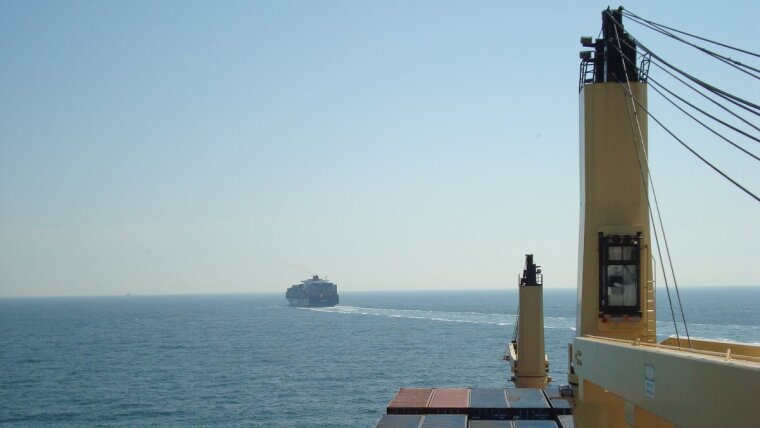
[{"x": 203, "y": 147}]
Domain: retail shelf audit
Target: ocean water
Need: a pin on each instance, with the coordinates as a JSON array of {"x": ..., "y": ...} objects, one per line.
[{"x": 249, "y": 360}]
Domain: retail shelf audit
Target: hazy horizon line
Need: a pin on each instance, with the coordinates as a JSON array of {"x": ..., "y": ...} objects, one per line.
[{"x": 223, "y": 293}]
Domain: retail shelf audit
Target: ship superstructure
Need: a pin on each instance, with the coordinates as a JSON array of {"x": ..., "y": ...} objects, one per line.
[
  {"x": 313, "y": 292},
  {"x": 619, "y": 375},
  {"x": 528, "y": 361}
]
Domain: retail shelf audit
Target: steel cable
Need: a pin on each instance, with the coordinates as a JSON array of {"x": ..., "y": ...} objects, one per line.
[
  {"x": 696, "y": 80},
  {"x": 631, "y": 14},
  {"x": 730, "y": 61},
  {"x": 671, "y": 74},
  {"x": 637, "y": 143}
]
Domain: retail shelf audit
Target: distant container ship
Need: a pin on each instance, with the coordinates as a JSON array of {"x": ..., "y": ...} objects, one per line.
[{"x": 314, "y": 292}]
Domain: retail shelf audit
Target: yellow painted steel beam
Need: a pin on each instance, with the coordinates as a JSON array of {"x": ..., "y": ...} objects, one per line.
[{"x": 688, "y": 389}]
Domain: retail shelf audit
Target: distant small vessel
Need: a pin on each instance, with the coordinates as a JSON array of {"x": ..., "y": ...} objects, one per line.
[{"x": 314, "y": 292}]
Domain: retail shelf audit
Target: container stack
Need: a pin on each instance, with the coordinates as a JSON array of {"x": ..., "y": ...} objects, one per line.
[
  {"x": 477, "y": 408},
  {"x": 449, "y": 401},
  {"x": 488, "y": 404}
]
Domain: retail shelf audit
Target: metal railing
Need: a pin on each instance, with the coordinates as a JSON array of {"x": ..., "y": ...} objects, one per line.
[
  {"x": 588, "y": 70},
  {"x": 586, "y": 74}
]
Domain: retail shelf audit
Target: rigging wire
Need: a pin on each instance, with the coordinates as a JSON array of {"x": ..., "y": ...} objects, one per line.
[
  {"x": 706, "y": 97},
  {"x": 633, "y": 15},
  {"x": 732, "y": 62},
  {"x": 689, "y": 148},
  {"x": 638, "y": 143},
  {"x": 702, "y": 123},
  {"x": 696, "y": 80},
  {"x": 629, "y": 93},
  {"x": 650, "y": 79},
  {"x": 705, "y": 113},
  {"x": 700, "y": 157},
  {"x": 734, "y": 182},
  {"x": 666, "y": 70},
  {"x": 651, "y": 215}
]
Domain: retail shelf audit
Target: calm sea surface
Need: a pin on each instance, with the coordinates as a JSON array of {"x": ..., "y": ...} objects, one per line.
[{"x": 248, "y": 360}]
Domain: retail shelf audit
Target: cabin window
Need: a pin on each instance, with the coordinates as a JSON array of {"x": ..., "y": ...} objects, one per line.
[{"x": 619, "y": 274}]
